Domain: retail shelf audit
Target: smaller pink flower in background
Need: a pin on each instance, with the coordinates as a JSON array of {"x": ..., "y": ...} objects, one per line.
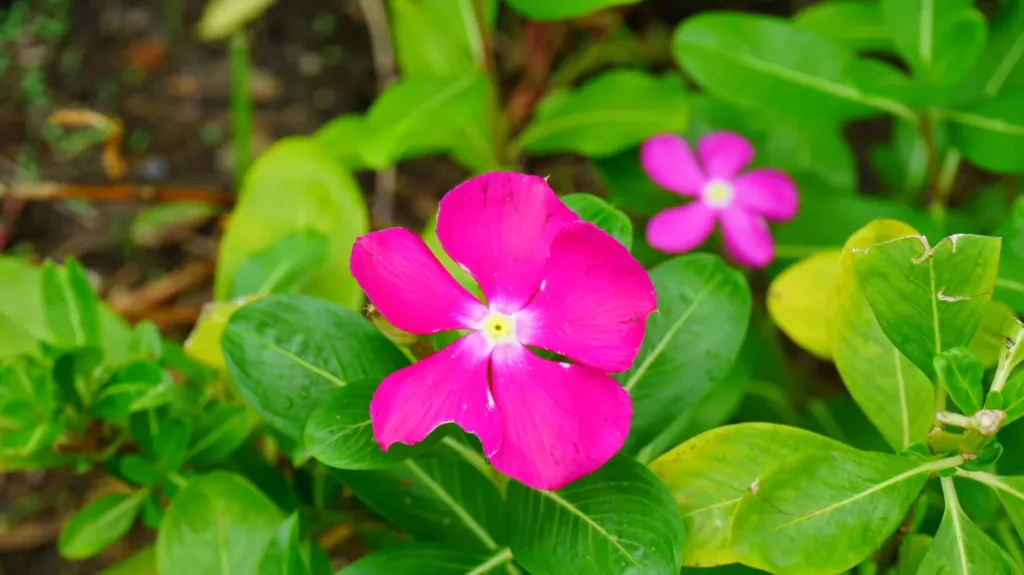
[
  {"x": 742, "y": 204},
  {"x": 551, "y": 282}
]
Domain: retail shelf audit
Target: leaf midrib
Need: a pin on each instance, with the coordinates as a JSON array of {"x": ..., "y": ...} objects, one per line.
[
  {"x": 298, "y": 360},
  {"x": 593, "y": 524},
  {"x": 457, "y": 508}
]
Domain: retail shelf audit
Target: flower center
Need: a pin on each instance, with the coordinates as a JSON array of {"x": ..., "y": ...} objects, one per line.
[
  {"x": 498, "y": 327},
  {"x": 717, "y": 194}
]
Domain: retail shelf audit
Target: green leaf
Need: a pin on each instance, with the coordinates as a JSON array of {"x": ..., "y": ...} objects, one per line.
[
  {"x": 221, "y": 18},
  {"x": 798, "y": 299},
  {"x": 961, "y": 546},
  {"x": 928, "y": 300},
  {"x": 282, "y": 265},
  {"x": 894, "y": 393},
  {"x": 618, "y": 519},
  {"x": 434, "y": 499},
  {"x": 857, "y": 24},
  {"x": 788, "y": 510},
  {"x": 339, "y": 432},
  {"x": 709, "y": 474},
  {"x": 990, "y": 133},
  {"x": 940, "y": 40},
  {"x": 1010, "y": 491},
  {"x": 439, "y": 38},
  {"x": 97, "y": 525},
  {"x": 203, "y": 344},
  {"x": 296, "y": 187},
  {"x": 608, "y": 114},
  {"x": 429, "y": 559},
  {"x": 341, "y": 138},
  {"x": 171, "y": 444},
  {"x": 988, "y": 342},
  {"x": 960, "y": 372},
  {"x": 1000, "y": 68},
  {"x": 284, "y": 552},
  {"x": 135, "y": 381},
  {"x": 596, "y": 211},
  {"x": 71, "y": 306},
  {"x": 218, "y": 524},
  {"x": 219, "y": 432},
  {"x": 419, "y": 113},
  {"x": 760, "y": 61},
  {"x": 564, "y": 9},
  {"x": 288, "y": 353},
  {"x": 690, "y": 345}
]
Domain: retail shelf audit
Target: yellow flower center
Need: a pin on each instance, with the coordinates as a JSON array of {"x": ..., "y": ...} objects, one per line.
[
  {"x": 498, "y": 327},
  {"x": 717, "y": 194}
]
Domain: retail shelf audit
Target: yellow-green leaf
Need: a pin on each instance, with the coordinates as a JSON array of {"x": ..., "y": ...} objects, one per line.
[{"x": 798, "y": 301}]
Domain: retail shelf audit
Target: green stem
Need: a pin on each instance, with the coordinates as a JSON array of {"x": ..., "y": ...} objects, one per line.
[
  {"x": 955, "y": 419},
  {"x": 241, "y": 105},
  {"x": 1004, "y": 368}
]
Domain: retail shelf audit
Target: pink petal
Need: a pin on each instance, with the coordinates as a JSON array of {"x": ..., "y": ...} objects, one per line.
[
  {"x": 681, "y": 229},
  {"x": 559, "y": 421},
  {"x": 770, "y": 193},
  {"x": 747, "y": 238},
  {"x": 593, "y": 303},
  {"x": 724, "y": 154},
  {"x": 670, "y": 163},
  {"x": 449, "y": 386},
  {"x": 499, "y": 226},
  {"x": 409, "y": 286}
]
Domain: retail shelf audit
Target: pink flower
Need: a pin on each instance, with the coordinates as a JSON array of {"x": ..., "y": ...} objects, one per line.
[
  {"x": 741, "y": 203},
  {"x": 551, "y": 282}
]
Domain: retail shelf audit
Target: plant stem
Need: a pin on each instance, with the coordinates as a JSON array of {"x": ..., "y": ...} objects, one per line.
[
  {"x": 241, "y": 105},
  {"x": 1004, "y": 368},
  {"x": 955, "y": 419}
]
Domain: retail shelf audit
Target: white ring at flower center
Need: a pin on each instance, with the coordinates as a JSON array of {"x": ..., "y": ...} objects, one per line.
[
  {"x": 717, "y": 194},
  {"x": 498, "y": 328}
]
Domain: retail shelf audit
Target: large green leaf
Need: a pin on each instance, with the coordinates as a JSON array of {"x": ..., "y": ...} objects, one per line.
[
  {"x": 960, "y": 372},
  {"x": 596, "y": 211},
  {"x": 798, "y": 298},
  {"x": 767, "y": 62},
  {"x": 435, "y": 499},
  {"x": 991, "y": 133},
  {"x": 853, "y": 499},
  {"x": 563, "y": 9},
  {"x": 219, "y": 432},
  {"x": 283, "y": 555},
  {"x": 1001, "y": 66},
  {"x": 103, "y": 521},
  {"x": 288, "y": 353},
  {"x": 612, "y": 112},
  {"x": 1009, "y": 489},
  {"x": 282, "y": 266},
  {"x": 689, "y": 346},
  {"x": 858, "y": 24},
  {"x": 894, "y": 393},
  {"x": 709, "y": 474},
  {"x": 219, "y": 524},
  {"x": 940, "y": 40},
  {"x": 619, "y": 519},
  {"x": 339, "y": 432},
  {"x": 961, "y": 547},
  {"x": 430, "y": 559},
  {"x": 928, "y": 299},
  {"x": 296, "y": 187}
]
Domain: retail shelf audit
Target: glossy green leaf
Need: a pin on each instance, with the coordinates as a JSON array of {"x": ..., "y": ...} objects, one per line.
[
  {"x": 990, "y": 133},
  {"x": 960, "y": 372},
  {"x": 296, "y": 187},
  {"x": 171, "y": 443},
  {"x": 961, "y": 547},
  {"x": 1000, "y": 67},
  {"x": 219, "y": 524},
  {"x": 798, "y": 300},
  {"x": 709, "y": 474},
  {"x": 430, "y": 559},
  {"x": 97, "y": 525},
  {"x": 221, "y": 18},
  {"x": 857, "y": 24},
  {"x": 988, "y": 342},
  {"x": 690, "y": 345},
  {"x": 855, "y": 499},
  {"x": 564, "y": 9},
  {"x": 419, "y": 113},
  {"x": 288, "y": 353},
  {"x": 610, "y": 113},
  {"x": 596, "y": 211},
  {"x": 134, "y": 387},
  {"x": 766, "y": 62},
  {"x": 435, "y": 499},
  {"x": 71, "y": 306},
  {"x": 218, "y": 433},
  {"x": 894, "y": 393},
  {"x": 439, "y": 38},
  {"x": 282, "y": 265},
  {"x": 928, "y": 299},
  {"x": 339, "y": 432},
  {"x": 1010, "y": 491},
  {"x": 283, "y": 555},
  {"x": 619, "y": 519},
  {"x": 940, "y": 40}
]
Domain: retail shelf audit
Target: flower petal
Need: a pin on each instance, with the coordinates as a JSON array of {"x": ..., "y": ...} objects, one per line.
[
  {"x": 409, "y": 286},
  {"x": 669, "y": 162},
  {"x": 747, "y": 238},
  {"x": 593, "y": 303},
  {"x": 724, "y": 154},
  {"x": 681, "y": 229},
  {"x": 499, "y": 227},
  {"x": 449, "y": 386},
  {"x": 770, "y": 193},
  {"x": 559, "y": 421}
]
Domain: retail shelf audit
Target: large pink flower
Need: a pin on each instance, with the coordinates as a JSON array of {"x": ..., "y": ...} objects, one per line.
[
  {"x": 741, "y": 203},
  {"x": 551, "y": 282}
]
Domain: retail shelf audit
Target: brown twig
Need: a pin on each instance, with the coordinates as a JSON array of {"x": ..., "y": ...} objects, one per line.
[
  {"x": 42, "y": 191},
  {"x": 535, "y": 74},
  {"x": 383, "y": 55},
  {"x": 139, "y": 303}
]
